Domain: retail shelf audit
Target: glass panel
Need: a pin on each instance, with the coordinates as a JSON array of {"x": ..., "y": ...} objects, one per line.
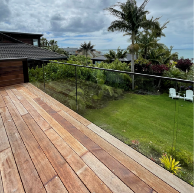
[
  {"x": 155, "y": 118},
  {"x": 58, "y": 81}
]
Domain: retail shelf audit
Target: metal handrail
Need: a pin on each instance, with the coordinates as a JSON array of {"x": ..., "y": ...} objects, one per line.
[{"x": 131, "y": 73}]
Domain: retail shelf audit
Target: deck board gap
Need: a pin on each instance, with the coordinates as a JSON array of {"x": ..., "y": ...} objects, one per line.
[{"x": 1, "y": 184}]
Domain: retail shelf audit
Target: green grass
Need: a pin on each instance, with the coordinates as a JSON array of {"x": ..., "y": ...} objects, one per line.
[{"x": 150, "y": 119}]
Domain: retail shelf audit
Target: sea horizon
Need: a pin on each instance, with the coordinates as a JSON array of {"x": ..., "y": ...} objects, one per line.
[{"x": 186, "y": 53}]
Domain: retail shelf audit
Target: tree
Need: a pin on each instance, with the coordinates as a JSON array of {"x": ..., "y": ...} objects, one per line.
[
  {"x": 130, "y": 19},
  {"x": 157, "y": 29},
  {"x": 43, "y": 42},
  {"x": 86, "y": 47},
  {"x": 147, "y": 41},
  {"x": 52, "y": 45},
  {"x": 161, "y": 55},
  {"x": 112, "y": 55}
]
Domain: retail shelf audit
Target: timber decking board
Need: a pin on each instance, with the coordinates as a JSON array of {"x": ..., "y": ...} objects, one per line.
[
  {"x": 53, "y": 149},
  {"x": 64, "y": 171},
  {"x": 1, "y": 184},
  {"x": 4, "y": 143},
  {"x": 2, "y": 92},
  {"x": 75, "y": 145},
  {"x": 8, "y": 173},
  {"x": 118, "y": 169},
  {"x": 17, "y": 103},
  {"x": 37, "y": 117},
  {"x": 2, "y": 104},
  {"x": 132, "y": 165},
  {"x": 89, "y": 178},
  {"x": 37, "y": 155},
  {"x": 25, "y": 166},
  {"x": 56, "y": 103}
]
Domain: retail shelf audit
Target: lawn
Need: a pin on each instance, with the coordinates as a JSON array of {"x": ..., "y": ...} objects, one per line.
[{"x": 148, "y": 119}]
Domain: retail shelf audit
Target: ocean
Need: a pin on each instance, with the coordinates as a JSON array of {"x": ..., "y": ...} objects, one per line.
[{"x": 181, "y": 53}]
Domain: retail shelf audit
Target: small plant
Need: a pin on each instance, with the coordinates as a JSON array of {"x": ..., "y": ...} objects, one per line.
[
  {"x": 170, "y": 164},
  {"x": 135, "y": 144}
]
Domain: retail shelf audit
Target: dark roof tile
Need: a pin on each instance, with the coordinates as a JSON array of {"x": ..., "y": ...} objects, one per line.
[{"x": 21, "y": 50}]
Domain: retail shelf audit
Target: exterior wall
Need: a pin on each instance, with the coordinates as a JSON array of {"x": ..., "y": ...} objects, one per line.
[
  {"x": 26, "y": 38},
  {"x": 13, "y": 72},
  {"x": 6, "y": 41}
]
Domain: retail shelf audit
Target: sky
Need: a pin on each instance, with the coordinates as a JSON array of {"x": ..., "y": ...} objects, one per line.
[{"x": 73, "y": 22}]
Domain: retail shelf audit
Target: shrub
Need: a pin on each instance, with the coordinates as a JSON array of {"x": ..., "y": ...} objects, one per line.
[
  {"x": 80, "y": 60},
  {"x": 142, "y": 65},
  {"x": 174, "y": 72},
  {"x": 184, "y": 64},
  {"x": 159, "y": 69},
  {"x": 170, "y": 164},
  {"x": 115, "y": 65},
  {"x": 185, "y": 157}
]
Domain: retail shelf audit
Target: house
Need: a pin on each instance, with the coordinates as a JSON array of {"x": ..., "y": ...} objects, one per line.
[
  {"x": 16, "y": 55},
  {"x": 91, "y": 53},
  {"x": 71, "y": 51},
  {"x": 102, "y": 58}
]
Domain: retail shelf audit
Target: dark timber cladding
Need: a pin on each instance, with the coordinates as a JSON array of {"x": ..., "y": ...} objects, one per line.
[
  {"x": 24, "y": 37},
  {"x": 13, "y": 71}
]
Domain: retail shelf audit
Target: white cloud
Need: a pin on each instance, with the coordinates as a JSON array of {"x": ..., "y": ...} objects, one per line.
[{"x": 65, "y": 20}]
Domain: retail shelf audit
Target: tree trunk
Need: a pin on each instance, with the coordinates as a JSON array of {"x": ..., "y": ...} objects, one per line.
[
  {"x": 137, "y": 55},
  {"x": 132, "y": 61}
]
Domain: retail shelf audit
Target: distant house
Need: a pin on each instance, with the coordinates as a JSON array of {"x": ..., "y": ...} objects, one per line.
[
  {"x": 18, "y": 51},
  {"x": 91, "y": 53},
  {"x": 71, "y": 51},
  {"x": 102, "y": 58}
]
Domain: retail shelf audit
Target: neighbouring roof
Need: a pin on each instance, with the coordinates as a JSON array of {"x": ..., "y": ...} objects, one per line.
[
  {"x": 70, "y": 49},
  {"x": 103, "y": 58},
  {"x": 21, "y": 50}
]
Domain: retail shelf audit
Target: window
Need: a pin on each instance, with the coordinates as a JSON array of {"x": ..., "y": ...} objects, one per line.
[{"x": 35, "y": 42}]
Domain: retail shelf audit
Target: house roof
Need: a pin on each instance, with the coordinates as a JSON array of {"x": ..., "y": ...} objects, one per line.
[
  {"x": 103, "y": 58},
  {"x": 70, "y": 49},
  {"x": 21, "y": 50}
]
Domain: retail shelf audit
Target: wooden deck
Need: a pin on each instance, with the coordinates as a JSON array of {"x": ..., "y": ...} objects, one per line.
[{"x": 47, "y": 147}]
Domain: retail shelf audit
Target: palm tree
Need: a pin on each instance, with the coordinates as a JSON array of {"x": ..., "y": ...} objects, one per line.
[
  {"x": 147, "y": 41},
  {"x": 130, "y": 19},
  {"x": 112, "y": 55},
  {"x": 157, "y": 31},
  {"x": 86, "y": 47}
]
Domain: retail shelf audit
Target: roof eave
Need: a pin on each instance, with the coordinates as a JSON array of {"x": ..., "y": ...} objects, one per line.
[{"x": 58, "y": 58}]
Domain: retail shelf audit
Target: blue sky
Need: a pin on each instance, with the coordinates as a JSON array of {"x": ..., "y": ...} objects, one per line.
[{"x": 72, "y": 22}]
